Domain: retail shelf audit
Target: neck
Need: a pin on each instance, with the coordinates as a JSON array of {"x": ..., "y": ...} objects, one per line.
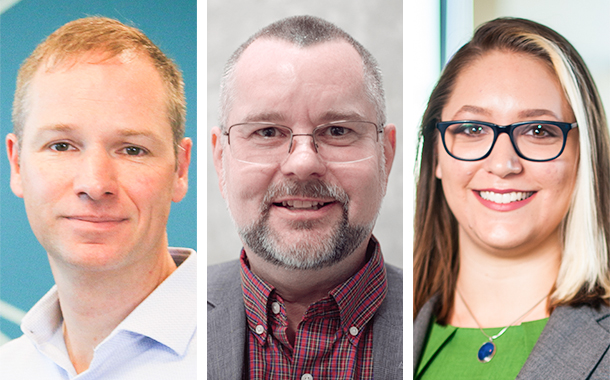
[
  {"x": 94, "y": 303},
  {"x": 300, "y": 288},
  {"x": 499, "y": 288}
]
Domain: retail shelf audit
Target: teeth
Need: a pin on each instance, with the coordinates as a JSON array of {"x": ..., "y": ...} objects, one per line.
[
  {"x": 308, "y": 205},
  {"x": 506, "y": 197}
]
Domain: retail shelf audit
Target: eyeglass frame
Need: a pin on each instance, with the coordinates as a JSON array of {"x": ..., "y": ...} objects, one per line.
[
  {"x": 508, "y": 129},
  {"x": 378, "y": 130}
]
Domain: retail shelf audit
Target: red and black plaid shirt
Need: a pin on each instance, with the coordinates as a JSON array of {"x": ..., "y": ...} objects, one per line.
[{"x": 334, "y": 339}]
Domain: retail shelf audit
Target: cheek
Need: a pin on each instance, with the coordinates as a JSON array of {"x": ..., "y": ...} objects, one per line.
[
  {"x": 363, "y": 184},
  {"x": 147, "y": 188},
  {"x": 561, "y": 179},
  {"x": 455, "y": 177},
  {"x": 245, "y": 186},
  {"x": 42, "y": 184}
]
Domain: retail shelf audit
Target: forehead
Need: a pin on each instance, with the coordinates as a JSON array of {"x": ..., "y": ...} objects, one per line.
[
  {"x": 502, "y": 82},
  {"x": 91, "y": 92},
  {"x": 277, "y": 77}
]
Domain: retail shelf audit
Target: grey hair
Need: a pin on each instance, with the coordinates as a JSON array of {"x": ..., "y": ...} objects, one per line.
[{"x": 304, "y": 31}]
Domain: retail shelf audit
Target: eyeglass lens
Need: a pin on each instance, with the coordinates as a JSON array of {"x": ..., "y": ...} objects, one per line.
[{"x": 536, "y": 141}]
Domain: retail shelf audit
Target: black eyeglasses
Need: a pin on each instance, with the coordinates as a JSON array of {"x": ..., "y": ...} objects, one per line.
[{"x": 539, "y": 141}]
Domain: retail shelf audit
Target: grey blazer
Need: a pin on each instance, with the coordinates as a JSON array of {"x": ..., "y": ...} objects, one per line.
[
  {"x": 574, "y": 345},
  {"x": 227, "y": 326}
]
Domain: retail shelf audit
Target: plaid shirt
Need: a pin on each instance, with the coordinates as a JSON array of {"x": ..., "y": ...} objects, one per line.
[{"x": 334, "y": 339}]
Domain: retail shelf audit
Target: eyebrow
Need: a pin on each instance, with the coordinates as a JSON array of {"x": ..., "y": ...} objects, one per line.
[
  {"x": 134, "y": 133},
  {"x": 56, "y": 128},
  {"x": 328, "y": 116},
  {"x": 474, "y": 109},
  {"x": 333, "y": 115},
  {"x": 537, "y": 112},
  {"x": 68, "y": 128},
  {"x": 524, "y": 114},
  {"x": 264, "y": 116}
]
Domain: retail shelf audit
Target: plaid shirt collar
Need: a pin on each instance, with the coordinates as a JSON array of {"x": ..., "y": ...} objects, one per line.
[{"x": 357, "y": 299}]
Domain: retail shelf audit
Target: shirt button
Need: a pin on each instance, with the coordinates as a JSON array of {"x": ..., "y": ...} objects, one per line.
[
  {"x": 260, "y": 329},
  {"x": 306, "y": 377},
  {"x": 275, "y": 307},
  {"x": 353, "y": 330}
]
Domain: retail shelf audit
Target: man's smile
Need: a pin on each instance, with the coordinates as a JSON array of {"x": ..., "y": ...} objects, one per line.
[{"x": 296, "y": 204}]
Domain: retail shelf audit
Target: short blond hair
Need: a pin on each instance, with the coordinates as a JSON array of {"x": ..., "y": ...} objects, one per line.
[{"x": 112, "y": 38}]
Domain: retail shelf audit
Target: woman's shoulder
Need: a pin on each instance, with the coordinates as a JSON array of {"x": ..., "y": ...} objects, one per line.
[{"x": 575, "y": 315}]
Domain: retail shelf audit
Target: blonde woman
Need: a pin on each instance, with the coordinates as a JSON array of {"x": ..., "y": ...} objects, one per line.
[{"x": 511, "y": 273}]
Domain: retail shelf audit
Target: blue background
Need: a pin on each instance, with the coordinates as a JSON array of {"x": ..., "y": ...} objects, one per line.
[{"x": 25, "y": 275}]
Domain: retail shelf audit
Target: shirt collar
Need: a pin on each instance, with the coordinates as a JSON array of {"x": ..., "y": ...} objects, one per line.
[
  {"x": 361, "y": 295},
  {"x": 358, "y": 298},
  {"x": 43, "y": 319},
  {"x": 170, "y": 305},
  {"x": 256, "y": 294},
  {"x": 169, "y": 314}
]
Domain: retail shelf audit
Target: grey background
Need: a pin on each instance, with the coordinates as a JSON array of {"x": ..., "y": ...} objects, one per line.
[{"x": 375, "y": 24}]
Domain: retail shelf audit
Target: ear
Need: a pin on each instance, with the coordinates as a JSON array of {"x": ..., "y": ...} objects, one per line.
[
  {"x": 389, "y": 145},
  {"x": 217, "y": 153},
  {"x": 181, "y": 184},
  {"x": 12, "y": 150},
  {"x": 438, "y": 172}
]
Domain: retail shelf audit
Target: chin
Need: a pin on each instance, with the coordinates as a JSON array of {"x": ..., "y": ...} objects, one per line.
[{"x": 93, "y": 257}]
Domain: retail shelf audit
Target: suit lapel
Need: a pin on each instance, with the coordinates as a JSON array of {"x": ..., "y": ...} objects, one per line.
[
  {"x": 226, "y": 323},
  {"x": 572, "y": 345},
  {"x": 387, "y": 331},
  {"x": 420, "y": 329}
]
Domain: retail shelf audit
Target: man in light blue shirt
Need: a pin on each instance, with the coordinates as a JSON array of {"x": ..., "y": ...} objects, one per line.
[{"x": 98, "y": 155}]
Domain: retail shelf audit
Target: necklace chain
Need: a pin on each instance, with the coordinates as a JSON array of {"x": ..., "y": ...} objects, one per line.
[{"x": 492, "y": 338}]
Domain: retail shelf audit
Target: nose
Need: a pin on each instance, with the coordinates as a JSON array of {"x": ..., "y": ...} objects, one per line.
[
  {"x": 503, "y": 160},
  {"x": 303, "y": 161},
  {"x": 96, "y": 177}
]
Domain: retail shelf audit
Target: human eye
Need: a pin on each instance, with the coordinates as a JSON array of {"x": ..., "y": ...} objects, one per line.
[
  {"x": 266, "y": 135},
  {"x": 540, "y": 131},
  {"x": 268, "y": 132},
  {"x": 338, "y": 131},
  {"x": 61, "y": 146},
  {"x": 134, "y": 151},
  {"x": 469, "y": 129},
  {"x": 338, "y": 134}
]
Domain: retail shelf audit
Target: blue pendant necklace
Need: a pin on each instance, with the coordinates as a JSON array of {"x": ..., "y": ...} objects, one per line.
[{"x": 488, "y": 349}]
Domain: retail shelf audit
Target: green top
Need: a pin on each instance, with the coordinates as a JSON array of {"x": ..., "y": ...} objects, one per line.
[{"x": 451, "y": 352}]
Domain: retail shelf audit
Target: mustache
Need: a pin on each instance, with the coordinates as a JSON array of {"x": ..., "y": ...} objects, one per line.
[{"x": 314, "y": 188}]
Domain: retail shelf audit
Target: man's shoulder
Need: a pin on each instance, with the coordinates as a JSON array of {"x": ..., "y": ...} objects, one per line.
[
  {"x": 14, "y": 349},
  {"x": 394, "y": 273},
  {"x": 19, "y": 357},
  {"x": 224, "y": 283},
  {"x": 394, "y": 278},
  {"x": 227, "y": 272}
]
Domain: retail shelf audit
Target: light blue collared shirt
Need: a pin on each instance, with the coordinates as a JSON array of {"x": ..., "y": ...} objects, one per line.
[{"x": 158, "y": 340}]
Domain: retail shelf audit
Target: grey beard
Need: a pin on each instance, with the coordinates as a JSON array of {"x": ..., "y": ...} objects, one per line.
[{"x": 317, "y": 253}]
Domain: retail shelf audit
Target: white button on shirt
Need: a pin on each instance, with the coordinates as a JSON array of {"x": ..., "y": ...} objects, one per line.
[
  {"x": 275, "y": 307},
  {"x": 306, "y": 377},
  {"x": 158, "y": 340}
]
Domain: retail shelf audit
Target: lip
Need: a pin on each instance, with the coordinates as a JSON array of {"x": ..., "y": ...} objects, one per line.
[
  {"x": 95, "y": 221},
  {"x": 302, "y": 204},
  {"x": 296, "y": 209},
  {"x": 514, "y": 205}
]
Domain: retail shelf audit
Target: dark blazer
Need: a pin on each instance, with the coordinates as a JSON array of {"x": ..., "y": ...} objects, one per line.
[
  {"x": 227, "y": 326},
  {"x": 574, "y": 345}
]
